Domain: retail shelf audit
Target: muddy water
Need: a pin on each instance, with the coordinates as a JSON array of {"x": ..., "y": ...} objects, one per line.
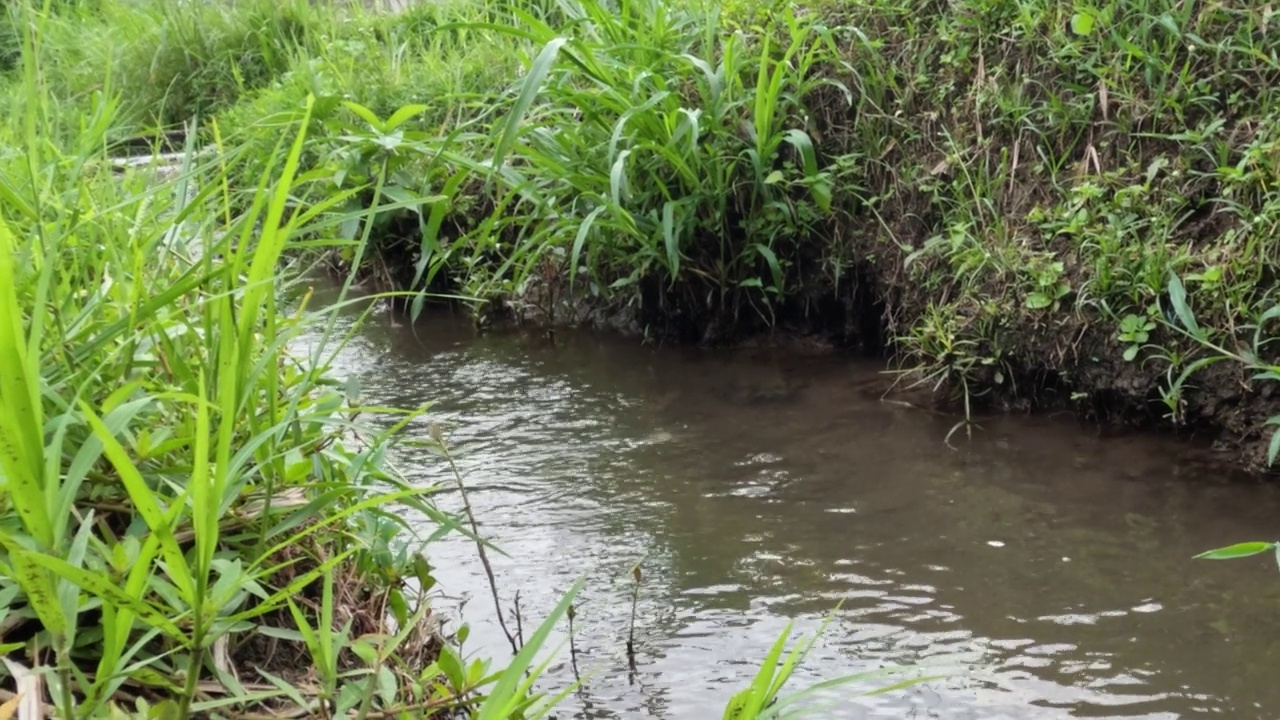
[{"x": 1044, "y": 569}]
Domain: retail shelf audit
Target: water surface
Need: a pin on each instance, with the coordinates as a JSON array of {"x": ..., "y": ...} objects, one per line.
[{"x": 1045, "y": 568}]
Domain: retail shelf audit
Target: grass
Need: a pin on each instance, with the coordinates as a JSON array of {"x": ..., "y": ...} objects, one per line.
[
  {"x": 1026, "y": 200},
  {"x": 1006, "y": 187},
  {"x": 177, "y": 484},
  {"x": 688, "y": 178},
  {"x": 195, "y": 518},
  {"x": 1047, "y": 167}
]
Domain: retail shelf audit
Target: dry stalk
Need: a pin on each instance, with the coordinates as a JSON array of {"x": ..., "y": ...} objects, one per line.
[
  {"x": 573, "y": 648},
  {"x": 438, "y": 436},
  {"x": 519, "y": 621},
  {"x": 631, "y": 631}
]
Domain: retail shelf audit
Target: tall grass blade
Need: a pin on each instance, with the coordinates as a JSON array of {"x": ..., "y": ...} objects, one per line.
[
  {"x": 530, "y": 86},
  {"x": 21, "y": 412}
]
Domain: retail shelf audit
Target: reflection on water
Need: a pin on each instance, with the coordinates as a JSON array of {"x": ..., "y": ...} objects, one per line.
[{"x": 1047, "y": 569}]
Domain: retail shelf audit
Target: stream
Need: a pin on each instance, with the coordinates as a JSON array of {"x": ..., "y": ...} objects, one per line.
[{"x": 1042, "y": 567}]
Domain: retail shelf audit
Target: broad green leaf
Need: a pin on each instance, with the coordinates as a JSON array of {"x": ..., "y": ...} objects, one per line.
[
  {"x": 775, "y": 269},
  {"x": 1273, "y": 449},
  {"x": 579, "y": 240},
  {"x": 618, "y": 190},
  {"x": 1082, "y": 23},
  {"x": 37, "y": 585},
  {"x": 1038, "y": 301},
  {"x": 803, "y": 144},
  {"x": 21, "y": 412},
  {"x": 103, "y": 587},
  {"x": 367, "y": 115},
  {"x": 670, "y": 239},
  {"x": 403, "y": 115}
]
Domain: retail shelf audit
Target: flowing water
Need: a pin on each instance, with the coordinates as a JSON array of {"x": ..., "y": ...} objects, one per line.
[{"x": 1043, "y": 568}]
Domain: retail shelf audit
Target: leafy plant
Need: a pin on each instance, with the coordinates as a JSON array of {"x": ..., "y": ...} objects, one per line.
[
  {"x": 1135, "y": 330},
  {"x": 1251, "y": 358},
  {"x": 1050, "y": 287},
  {"x": 764, "y": 698},
  {"x": 688, "y": 168}
]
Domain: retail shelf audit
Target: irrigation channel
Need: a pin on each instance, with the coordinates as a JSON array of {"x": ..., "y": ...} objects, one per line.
[{"x": 1044, "y": 567}]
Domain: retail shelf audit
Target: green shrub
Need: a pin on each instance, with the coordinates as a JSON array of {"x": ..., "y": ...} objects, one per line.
[{"x": 655, "y": 154}]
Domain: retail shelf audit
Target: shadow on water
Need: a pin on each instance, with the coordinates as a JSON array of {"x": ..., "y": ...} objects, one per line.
[{"x": 1045, "y": 567}]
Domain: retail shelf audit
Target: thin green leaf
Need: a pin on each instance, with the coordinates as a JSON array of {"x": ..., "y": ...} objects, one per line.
[
  {"x": 503, "y": 698},
  {"x": 529, "y": 89},
  {"x": 1178, "y": 299},
  {"x": 1239, "y": 550}
]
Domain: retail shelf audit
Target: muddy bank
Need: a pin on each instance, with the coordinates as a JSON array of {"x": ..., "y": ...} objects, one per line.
[
  {"x": 999, "y": 199},
  {"x": 1106, "y": 395}
]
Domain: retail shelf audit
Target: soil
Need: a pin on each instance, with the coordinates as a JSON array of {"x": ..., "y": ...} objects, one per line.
[{"x": 1088, "y": 376}]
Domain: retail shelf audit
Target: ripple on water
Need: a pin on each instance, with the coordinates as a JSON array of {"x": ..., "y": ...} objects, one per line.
[{"x": 585, "y": 457}]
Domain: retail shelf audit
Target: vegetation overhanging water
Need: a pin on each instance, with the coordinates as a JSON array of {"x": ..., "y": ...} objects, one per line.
[{"x": 1026, "y": 204}]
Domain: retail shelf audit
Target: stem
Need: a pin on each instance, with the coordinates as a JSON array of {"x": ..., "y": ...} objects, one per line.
[
  {"x": 631, "y": 631},
  {"x": 484, "y": 557},
  {"x": 193, "y": 673},
  {"x": 573, "y": 648},
  {"x": 68, "y": 700},
  {"x": 519, "y": 621}
]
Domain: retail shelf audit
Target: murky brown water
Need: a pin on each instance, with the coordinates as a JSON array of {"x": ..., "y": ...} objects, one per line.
[{"x": 1045, "y": 568}]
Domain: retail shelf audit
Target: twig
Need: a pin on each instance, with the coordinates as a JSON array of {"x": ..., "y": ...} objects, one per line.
[
  {"x": 438, "y": 436},
  {"x": 631, "y": 632},
  {"x": 573, "y": 648},
  {"x": 519, "y": 621}
]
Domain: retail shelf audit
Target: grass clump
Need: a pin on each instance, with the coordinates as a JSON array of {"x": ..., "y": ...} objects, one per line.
[
  {"x": 661, "y": 159},
  {"x": 181, "y": 492},
  {"x": 169, "y": 62},
  {"x": 1041, "y": 169},
  {"x": 403, "y": 97},
  {"x": 194, "y": 518}
]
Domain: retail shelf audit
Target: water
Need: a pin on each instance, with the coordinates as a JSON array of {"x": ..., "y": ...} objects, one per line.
[{"x": 1044, "y": 568}]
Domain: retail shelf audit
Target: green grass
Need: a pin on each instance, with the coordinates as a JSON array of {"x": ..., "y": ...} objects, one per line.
[
  {"x": 190, "y": 510},
  {"x": 170, "y": 62},
  {"x": 657, "y": 155},
  {"x": 174, "y": 478},
  {"x": 1032, "y": 198},
  {"x": 1043, "y": 168}
]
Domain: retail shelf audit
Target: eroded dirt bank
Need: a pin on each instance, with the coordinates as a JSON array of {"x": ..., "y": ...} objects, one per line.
[{"x": 1035, "y": 208}]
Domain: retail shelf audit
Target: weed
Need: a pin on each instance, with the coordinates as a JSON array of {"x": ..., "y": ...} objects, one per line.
[
  {"x": 666, "y": 158},
  {"x": 1135, "y": 330},
  {"x": 1251, "y": 356}
]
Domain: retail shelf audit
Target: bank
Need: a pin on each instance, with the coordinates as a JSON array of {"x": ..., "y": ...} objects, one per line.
[
  {"x": 1029, "y": 206},
  {"x": 996, "y": 196},
  {"x": 197, "y": 517},
  {"x": 1032, "y": 206}
]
